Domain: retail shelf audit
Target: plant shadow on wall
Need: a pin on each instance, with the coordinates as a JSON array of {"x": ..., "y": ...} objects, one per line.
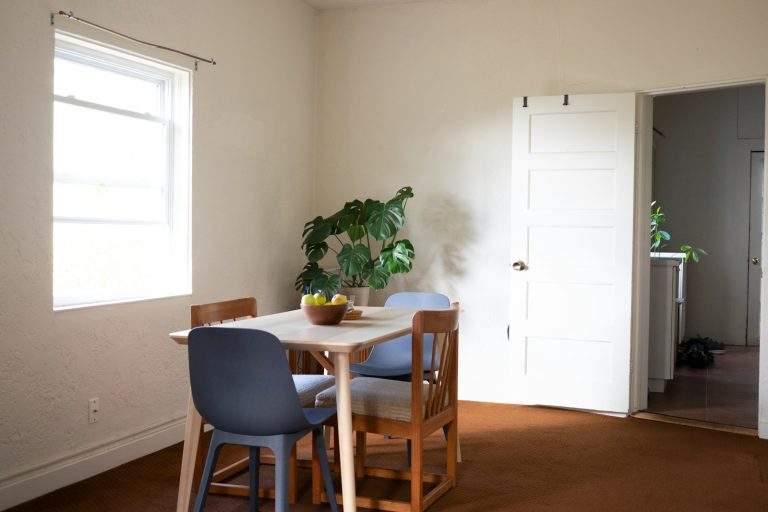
[
  {"x": 449, "y": 225},
  {"x": 363, "y": 236}
]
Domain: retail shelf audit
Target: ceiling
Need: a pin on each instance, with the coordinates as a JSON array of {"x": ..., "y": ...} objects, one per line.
[{"x": 335, "y": 4}]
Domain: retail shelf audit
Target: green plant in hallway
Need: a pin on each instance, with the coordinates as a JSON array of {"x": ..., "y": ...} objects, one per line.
[
  {"x": 694, "y": 253},
  {"x": 660, "y": 236}
]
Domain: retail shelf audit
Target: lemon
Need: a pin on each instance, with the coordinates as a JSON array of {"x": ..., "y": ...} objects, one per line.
[
  {"x": 339, "y": 298},
  {"x": 320, "y": 299},
  {"x": 308, "y": 300}
]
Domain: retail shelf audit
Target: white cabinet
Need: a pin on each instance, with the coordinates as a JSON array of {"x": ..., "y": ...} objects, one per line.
[{"x": 666, "y": 309}]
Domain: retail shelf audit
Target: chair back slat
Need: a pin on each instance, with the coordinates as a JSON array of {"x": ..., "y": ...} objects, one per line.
[
  {"x": 433, "y": 366},
  {"x": 439, "y": 387},
  {"x": 221, "y": 312}
]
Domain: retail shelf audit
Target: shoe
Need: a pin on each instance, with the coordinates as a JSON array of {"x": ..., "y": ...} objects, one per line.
[{"x": 715, "y": 347}]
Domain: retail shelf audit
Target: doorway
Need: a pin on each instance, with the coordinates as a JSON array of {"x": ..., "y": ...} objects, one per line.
[{"x": 707, "y": 179}]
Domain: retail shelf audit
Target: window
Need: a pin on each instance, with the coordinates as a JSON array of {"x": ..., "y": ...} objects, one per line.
[{"x": 121, "y": 142}]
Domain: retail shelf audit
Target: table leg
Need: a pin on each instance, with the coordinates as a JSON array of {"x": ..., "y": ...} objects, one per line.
[
  {"x": 191, "y": 445},
  {"x": 344, "y": 416}
]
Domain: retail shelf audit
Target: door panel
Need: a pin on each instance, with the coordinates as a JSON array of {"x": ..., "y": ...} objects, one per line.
[
  {"x": 573, "y": 132},
  {"x": 572, "y": 189},
  {"x": 572, "y": 226},
  {"x": 545, "y": 244}
]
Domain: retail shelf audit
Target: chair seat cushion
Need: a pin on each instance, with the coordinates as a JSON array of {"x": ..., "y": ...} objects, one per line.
[
  {"x": 383, "y": 398},
  {"x": 308, "y": 386}
]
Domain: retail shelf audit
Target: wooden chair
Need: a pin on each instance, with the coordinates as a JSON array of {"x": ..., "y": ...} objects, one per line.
[
  {"x": 412, "y": 410},
  {"x": 392, "y": 360},
  {"x": 307, "y": 387}
]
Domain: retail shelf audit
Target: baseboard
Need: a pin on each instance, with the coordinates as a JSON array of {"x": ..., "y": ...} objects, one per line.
[
  {"x": 35, "y": 482},
  {"x": 762, "y": 429}
]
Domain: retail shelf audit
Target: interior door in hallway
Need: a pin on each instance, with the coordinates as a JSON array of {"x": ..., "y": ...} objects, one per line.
[
  {"x": 754, "y": 265},
  {"x": 571, "y": 248}
]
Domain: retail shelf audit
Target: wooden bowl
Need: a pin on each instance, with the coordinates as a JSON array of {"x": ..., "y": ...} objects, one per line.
[{"x": 325, "y": 314}]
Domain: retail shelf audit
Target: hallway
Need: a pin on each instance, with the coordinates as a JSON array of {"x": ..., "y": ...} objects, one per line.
[{"x": 725, "y": 393}]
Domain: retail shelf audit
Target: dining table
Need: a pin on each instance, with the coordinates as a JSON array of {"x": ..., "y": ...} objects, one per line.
[{"x": 332, "y": 346}]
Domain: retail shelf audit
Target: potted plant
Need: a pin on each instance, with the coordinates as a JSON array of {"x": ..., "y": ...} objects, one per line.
[
  {"x": 363, "y": 237},
  {"x": 659, "y": 236}
]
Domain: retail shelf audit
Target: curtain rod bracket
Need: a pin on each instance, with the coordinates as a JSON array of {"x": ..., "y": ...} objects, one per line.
[{"x": 565, "y": 100}]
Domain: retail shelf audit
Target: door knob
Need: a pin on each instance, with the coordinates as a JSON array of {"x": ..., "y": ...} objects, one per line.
[
  {"x": 519, "y": 265},
  {"x": 755, "y": 261}
]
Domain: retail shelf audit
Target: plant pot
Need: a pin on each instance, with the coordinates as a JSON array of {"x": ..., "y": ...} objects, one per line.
[{"x": 359, "y": 294}]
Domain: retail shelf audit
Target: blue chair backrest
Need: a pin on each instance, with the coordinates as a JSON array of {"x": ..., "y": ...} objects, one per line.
[
  {"x": 397, "y": 352},
  {"x": 241, "y": 382}
]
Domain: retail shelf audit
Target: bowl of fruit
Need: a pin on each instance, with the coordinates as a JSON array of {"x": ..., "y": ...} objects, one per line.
[{"x": 321, "y": 311}]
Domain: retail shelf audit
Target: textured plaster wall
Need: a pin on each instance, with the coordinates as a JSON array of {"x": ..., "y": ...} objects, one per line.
[
  {"x": 421, "y": 94},
  {"x": 253, "y": 172}
]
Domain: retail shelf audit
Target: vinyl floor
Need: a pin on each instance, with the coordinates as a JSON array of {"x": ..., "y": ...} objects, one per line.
[{"x": 725, "y": 392}]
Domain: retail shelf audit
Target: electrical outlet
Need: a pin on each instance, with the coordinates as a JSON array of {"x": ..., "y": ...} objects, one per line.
[{"x": 93, "y": 410}]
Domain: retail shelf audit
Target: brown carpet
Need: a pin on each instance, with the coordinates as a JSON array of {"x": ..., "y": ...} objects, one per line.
[{"x": 515, "y": 459}]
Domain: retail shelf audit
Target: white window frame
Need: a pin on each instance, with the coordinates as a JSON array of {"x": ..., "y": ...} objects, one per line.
[{"x": 175, "y": 116}]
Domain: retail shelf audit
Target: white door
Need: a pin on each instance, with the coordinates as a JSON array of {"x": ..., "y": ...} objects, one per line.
[
  {"x": 755, "y": 271},
  {"x": 571, "y": 248}
]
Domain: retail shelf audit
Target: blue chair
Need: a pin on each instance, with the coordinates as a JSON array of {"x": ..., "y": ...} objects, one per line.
[
  {"x": 242, "y": 385},
  {"x": 392, "y": 360},
  {"x": 307, "y": 385}
]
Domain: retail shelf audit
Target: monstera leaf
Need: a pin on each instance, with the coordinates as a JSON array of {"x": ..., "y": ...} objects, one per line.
[
  {"x": 398, "y": 257},
  {"x": 376, "y": 275},
  {"x": 385, "y": 219},
  {"x": 316, "y": 231},
  {"x": 353, "y": 258},
  {"x": 313, "y": 278},
  {"x": 315, "y": 252}
]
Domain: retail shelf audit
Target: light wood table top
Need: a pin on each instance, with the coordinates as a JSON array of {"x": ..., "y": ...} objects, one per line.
[{"x": 295, "y": 332}]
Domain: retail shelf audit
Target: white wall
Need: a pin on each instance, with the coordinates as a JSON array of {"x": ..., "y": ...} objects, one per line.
[
  {"x": 421, "y": 94},
  {"x": 253, "y": 187},
  {"x": 702, "y": 183}
]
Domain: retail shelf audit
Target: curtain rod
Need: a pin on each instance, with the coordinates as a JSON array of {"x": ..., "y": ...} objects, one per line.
[{"x": 72, "y": 16}]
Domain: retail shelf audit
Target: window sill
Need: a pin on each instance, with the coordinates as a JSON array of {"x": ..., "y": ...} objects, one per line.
[{"x": 117, "y": 302}]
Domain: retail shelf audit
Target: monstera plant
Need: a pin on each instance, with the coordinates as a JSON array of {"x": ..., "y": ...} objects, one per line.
[{"x": 363, "y": 238}]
